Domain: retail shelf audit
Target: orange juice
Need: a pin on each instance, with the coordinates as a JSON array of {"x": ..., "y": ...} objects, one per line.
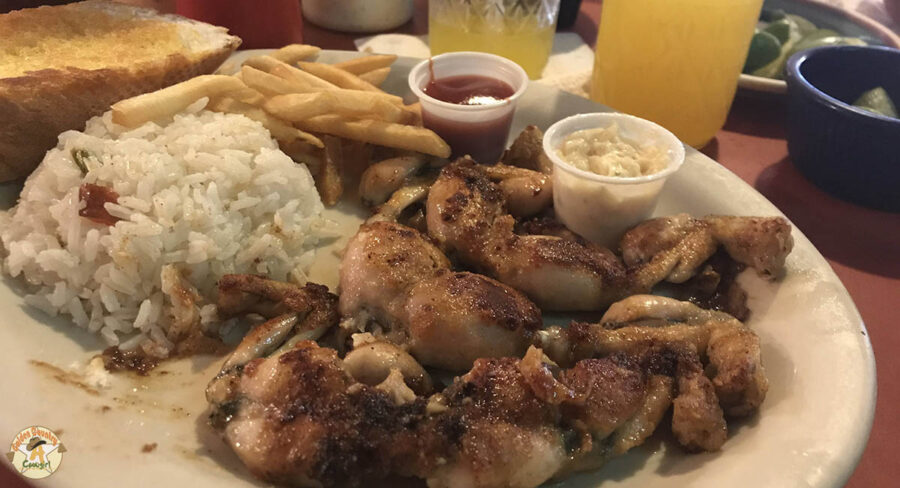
[
  {"x": 675, "y": 62},
  {"x": 523, "y": 37}
]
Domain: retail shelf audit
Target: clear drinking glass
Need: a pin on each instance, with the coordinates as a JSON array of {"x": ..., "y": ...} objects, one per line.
[
  {"x": 519, "y": 30},
  {"x": 675, "y": 62}
]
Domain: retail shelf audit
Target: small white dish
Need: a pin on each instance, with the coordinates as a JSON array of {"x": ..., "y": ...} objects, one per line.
[
  {"x": 479, "y": 131},
  {"x": 601, "y": 208}
]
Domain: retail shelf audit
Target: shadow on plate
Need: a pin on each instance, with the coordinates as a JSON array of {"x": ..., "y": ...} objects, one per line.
[
  {"x": 9, "y": 193},
  {"x": 866, "y": 240},
  {"x": 60, "y": 324},
  {"x": 711, "y": 149}
]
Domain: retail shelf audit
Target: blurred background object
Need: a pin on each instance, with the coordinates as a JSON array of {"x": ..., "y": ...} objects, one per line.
[
  {"x": 675, "y": 62},
  {"x": 568, "y": 12},
  {"x": 841, "y": 119},
  {"x": 160, "y": 5},
  {"x": 520, "y": 30},
  {"x": 267, "y": 24},
  {"x": 358, "y": 15},
  {"x": 893, "y": 9}
]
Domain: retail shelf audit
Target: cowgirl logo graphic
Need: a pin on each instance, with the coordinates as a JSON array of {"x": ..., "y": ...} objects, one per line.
[{"x": 36, "y": 452}]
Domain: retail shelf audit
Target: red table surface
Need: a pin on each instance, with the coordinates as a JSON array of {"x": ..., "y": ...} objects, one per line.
[{"x": 862, "y": 245}]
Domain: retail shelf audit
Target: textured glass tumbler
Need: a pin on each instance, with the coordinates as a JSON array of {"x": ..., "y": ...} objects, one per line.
[{"x": 519, "y": 30}]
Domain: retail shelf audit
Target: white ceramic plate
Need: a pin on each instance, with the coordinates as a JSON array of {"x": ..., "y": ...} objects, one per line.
[{"x": 810, "y": 432}]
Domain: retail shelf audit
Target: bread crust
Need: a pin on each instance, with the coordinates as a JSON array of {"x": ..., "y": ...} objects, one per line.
[{"x": 36, "y": 107}]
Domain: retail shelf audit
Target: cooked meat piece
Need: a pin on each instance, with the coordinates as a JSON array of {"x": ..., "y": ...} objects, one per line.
[
  {"x": 656, "y": 403},
  {"x": 759, "y": 242},
  {"x": 697, "y": 419},
  {"x": 454, "y": 318},
  {"x": 738, "y": 375},
  {"x": 673, "y": 248},
  {"x": 466, "y": 214},
  {"x": 414, "y": 191},
  {"x": 392, "y": 276},
  {"x": 715, "y": 287},
  {"x": 527, "y": 192},
  {"x": 508, "y": 436},
  {"x": 609, "y": 394},
  {"x": 304, "y": 417},
  {"x": 294, "y": 419},
  {"x": 645, "y": 321},
  {"x": 373, "y": 362},
  {"x": 527, "y": 151},
  {"x": 240, "y": 294},
  {"x": 380, "y": 180},
  {"x": 184, "y": 299},
  {"x": 381, "y": 262}
]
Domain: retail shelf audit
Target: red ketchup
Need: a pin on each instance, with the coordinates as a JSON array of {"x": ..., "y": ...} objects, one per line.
[
  {"x": 484, "y": 141},
  {"x": 95, "y": 198}
]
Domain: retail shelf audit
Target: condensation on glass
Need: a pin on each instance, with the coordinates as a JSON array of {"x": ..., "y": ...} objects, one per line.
[{"x": 519, "y": 30}]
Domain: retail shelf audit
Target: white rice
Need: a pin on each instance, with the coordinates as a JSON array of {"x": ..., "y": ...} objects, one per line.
[{"x": 209, "y": 193}]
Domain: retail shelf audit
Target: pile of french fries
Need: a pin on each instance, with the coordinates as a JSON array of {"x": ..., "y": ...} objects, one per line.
[{"x": 318, "y": 113}]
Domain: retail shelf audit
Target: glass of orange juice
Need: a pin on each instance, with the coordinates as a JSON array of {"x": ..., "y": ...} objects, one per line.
[
  {"x": 519, "y": 30},
  {"x": 675, "y": 62}
]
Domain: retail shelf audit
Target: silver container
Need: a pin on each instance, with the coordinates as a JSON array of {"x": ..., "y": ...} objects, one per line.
[{"x": 358, "y": 15}]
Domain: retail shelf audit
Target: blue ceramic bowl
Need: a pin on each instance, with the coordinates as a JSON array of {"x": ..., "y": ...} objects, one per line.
[{"x": 848, "y": 152}]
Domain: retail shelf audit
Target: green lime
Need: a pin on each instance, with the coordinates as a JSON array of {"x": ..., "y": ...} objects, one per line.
[
  {"x": 781, "y": 29},
  {"x": 775, "y": 68},
  {"x": 877, "y": 100},
  {"x": 768, "y": 15},
  {"x": 772, "y": 70},
  {"x": 810, "y": 42},
  {"x": 819, "y": 34},
  {"x": 803, "y": 25},
  {"x": 764, "y": 48}
]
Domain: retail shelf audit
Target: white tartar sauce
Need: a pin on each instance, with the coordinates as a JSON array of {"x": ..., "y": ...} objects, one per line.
[{"x": 602, "y": 151}]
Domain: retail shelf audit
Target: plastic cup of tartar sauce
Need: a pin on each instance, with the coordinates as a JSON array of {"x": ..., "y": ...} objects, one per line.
[
  {"x": 601, "y": 208},
  {"x": 480, "y": 131}
]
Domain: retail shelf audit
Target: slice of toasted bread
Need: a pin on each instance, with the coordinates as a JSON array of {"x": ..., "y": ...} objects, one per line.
[{"x": 62, "y": 65}]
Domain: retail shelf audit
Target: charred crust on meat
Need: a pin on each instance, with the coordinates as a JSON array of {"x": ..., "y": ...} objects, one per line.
[{"x": 495, "y": 301}]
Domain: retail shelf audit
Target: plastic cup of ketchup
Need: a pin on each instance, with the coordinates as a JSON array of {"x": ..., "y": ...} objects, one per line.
[{"x": 469, "y": 99}]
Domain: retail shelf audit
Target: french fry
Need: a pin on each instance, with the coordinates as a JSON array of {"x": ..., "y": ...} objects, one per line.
[
  {"x": 365, "y": 64},
  {"x": 262, "y": 63},
  {"x": 281, "y": 131},
  {"x": 380, "y": 133},
  {"x": 269, "y": 84},
  {"x": 303, "y": 152},
  {"x": 337, "y": 76},
  {"x": 330, "y": 182},
  {"x": 346, "y": 103},
  {"x": 300, "y": 79},
  {"x": 415, "y": 113},
  {"x": 292, "y": 53},
  {"x": 376, "y": 76},
  {"x": 168, "y": 101},
  {"x": 284, "y": 70}
]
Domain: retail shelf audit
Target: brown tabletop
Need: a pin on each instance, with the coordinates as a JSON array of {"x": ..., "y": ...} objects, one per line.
[{"x": 862, "y": 245}]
